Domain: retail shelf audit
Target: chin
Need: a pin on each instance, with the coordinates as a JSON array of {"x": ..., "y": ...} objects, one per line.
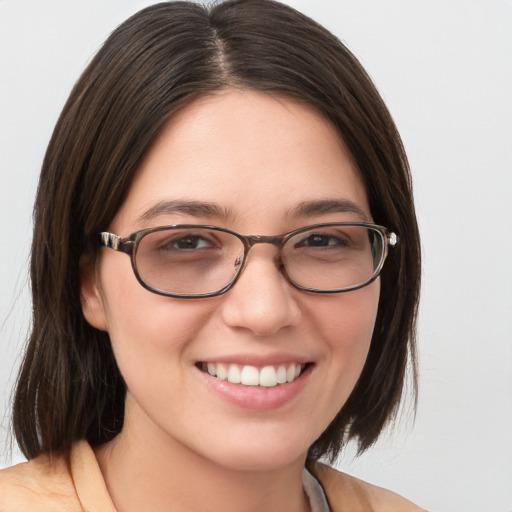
[
  {"x": 259, "y": 453},
  {"x": 256, "y": 461}
]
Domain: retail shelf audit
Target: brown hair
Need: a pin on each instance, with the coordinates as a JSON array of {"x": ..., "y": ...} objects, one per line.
[{"x": 163, "y": 57}]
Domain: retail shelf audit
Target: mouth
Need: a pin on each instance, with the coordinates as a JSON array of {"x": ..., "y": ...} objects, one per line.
[{"x": 246, "y": 375}]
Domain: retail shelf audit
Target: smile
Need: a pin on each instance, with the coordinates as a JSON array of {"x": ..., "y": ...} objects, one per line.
[{"x": 246, "y": 375}]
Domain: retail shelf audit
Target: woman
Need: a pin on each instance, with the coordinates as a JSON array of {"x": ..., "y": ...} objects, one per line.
[{"x": 264, "y": 311}]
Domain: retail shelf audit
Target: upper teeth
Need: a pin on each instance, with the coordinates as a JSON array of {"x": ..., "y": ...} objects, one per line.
[{"x": 268, "y": 376}]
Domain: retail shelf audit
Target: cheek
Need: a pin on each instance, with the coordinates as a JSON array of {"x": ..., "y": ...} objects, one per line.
[
  {"x": 150, "y": 329},
  {"x": 149, "y": 333},
  {"x": 346, "y": 326},
  {"x": 346, "y": 321},
  {"x": 342, "y": 326}
]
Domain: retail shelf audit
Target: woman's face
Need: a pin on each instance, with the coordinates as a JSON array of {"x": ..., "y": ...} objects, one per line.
[{"x": 262, "y": 161}]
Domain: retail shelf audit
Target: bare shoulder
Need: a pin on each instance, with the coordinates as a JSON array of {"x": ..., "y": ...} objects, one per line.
[
  {"x": 346, "y": 493},
  {"x": 42, "y": 484}
]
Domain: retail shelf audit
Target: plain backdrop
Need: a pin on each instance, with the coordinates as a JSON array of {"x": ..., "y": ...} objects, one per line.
[{"x": 444, "y": 69}]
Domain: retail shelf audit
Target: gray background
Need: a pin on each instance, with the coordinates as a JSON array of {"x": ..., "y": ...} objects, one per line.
[{"x": 444, "y": 70}]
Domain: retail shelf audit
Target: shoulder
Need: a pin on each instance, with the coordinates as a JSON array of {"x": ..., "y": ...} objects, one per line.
[
  {"x": 60, "y": 483},
  {"x": 346, "y": 493},
  {"x": 42, "y": 484}
]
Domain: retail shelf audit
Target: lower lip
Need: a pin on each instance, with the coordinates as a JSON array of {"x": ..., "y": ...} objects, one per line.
[{"x": 257, "y": 397}]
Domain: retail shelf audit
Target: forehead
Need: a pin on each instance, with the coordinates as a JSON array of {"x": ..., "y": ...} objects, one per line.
[{"x": 255, "y": 155}]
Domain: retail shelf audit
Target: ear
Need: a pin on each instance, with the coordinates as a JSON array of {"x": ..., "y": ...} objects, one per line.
[{"x": 90, "y": 296}]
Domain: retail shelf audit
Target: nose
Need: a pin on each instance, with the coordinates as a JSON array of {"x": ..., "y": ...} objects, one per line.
[{"x": 262, "y": 300}]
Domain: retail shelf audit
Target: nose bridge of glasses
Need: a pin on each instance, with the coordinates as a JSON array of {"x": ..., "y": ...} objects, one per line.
[
  {"x": 263, "y": 239},
  {"x": 277, "y": 241}
]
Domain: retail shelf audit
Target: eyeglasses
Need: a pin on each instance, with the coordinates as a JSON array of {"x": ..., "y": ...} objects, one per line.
[{"x": 193, "y": 261}]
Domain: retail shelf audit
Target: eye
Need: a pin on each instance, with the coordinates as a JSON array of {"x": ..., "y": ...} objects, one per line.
[
  {"x": 187, "y": 243},
  {"x": 321, "y": 240}
]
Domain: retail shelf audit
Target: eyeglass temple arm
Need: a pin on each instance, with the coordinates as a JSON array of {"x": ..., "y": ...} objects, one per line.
[{"x": 115, "y": 242}]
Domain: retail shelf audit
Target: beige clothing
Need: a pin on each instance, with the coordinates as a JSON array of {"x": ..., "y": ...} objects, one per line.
[{"x": 77, "y": 485}]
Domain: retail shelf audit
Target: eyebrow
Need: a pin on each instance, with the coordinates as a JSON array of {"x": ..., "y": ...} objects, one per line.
[
  {"x": 213, "y": 210},
  {"x": 324, "y": 206},
  {"x": 187, "y": 207}
]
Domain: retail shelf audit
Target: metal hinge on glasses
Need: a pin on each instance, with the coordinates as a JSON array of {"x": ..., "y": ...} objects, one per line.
[{"x": 110, "y": 240}]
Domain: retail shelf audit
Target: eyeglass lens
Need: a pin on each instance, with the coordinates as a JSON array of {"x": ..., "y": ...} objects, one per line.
[{"x": 193, "y": 261}]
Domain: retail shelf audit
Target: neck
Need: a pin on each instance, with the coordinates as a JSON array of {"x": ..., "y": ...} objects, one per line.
[{"x": 153, "y": 472}]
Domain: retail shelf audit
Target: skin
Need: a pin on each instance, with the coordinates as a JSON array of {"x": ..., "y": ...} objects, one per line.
[{"x": 258, "y": 157}]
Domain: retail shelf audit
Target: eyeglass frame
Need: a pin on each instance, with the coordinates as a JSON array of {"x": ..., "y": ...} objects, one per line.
[{"x": 130, "y": 244}]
